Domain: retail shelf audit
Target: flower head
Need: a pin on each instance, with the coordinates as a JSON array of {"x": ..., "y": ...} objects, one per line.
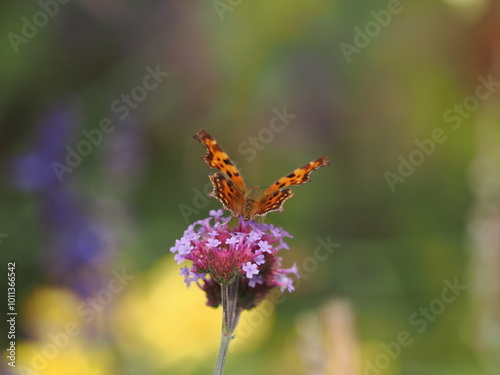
[{"x": 221, "y": 254}]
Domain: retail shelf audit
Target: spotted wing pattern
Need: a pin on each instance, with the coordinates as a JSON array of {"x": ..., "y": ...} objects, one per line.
[
  {"x": 275, "y": 195},
  {"x": 217, "y": 158},
  {"x": 229, "y": 186},
  {"x": 231, "y": 197}
]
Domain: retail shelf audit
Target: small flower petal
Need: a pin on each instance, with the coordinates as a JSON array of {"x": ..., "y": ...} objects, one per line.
[
  {"x": 213, "y": 243},
  {"x": 254, "y": 236},
  {"x": 185, "y": 249},
  {"x": 184, "y": 271},
  {"x": 293, "y": 269},
  {"x": 265, "y": 247},
  {"x": 216, "y": 214},
  {"x": 179, "y": 258},
  {"x": 255, "y": 280},
  {"x": 233, "y": 240},
  {"x": 259, "y": 259},
  {"x": 250, "y": 269},
  {"x": 276, "y": 232},
  {"x": 285, "y": 282}
]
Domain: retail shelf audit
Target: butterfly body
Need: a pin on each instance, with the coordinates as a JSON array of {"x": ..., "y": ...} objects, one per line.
[
  {"x": 248, "y": 209},
  {"x": 231, "y": 190}
]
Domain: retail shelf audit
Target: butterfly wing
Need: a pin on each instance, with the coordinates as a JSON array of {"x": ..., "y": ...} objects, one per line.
[
  {"x": 229, "y": 186},
  {"x": 272, "y": 202},
  {"x": 226, "y": 193},
  {"x": 218, "y": 159},
  {"x": 275, "y": 195}
]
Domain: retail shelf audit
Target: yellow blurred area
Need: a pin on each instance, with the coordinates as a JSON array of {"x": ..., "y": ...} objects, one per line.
[
  {"x": 49, "y": 309},
  {"x": 171, "y": 323},
  {"x": 161, "y": 320},
  {"x": 78, "y": 358},
  {"x": 155, "y": 320},
  {"x": 60, "y": 341},
  {"x": 376, "y": 359}
]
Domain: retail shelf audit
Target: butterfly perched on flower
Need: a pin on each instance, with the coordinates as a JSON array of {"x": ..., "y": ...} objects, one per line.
[{"x": 234, "y": 194}]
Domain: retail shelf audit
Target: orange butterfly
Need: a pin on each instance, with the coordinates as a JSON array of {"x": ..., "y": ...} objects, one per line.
[{"x": 230, "y": 188}]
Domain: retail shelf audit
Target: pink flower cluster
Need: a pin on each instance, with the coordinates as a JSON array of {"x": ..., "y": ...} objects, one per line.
[{"x": 247, "y": 252}]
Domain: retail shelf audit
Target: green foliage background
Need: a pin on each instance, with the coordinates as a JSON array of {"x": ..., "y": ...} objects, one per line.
[{"x": 227, "y": 72}]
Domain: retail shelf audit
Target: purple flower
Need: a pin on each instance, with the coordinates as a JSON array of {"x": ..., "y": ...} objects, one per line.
[
  {"x": 259, "y": 259},
  {"x": 33, "y": 170},
  {"x": 286, "y": 283},
  {"x": 233, "y": 240},
  {"x": 219, "y": 254},
  {"x": 254, "y": 236},
  {"x": 276, "y": 232},
  {"x": 250, "y": 269},
  {"x": 252, "y": 283},
  {"x": 212, "y": 242},
  {"x": 179, "y": 258},
  {"x": 190, "y": 277},
  {"x": 293, "y": 270},
  {"x": 217, "y": 214},
  {"x": 265, "y": 247}
]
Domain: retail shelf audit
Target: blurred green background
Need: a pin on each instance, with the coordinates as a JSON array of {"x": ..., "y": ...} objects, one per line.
[{"x": 98, "y": 104}]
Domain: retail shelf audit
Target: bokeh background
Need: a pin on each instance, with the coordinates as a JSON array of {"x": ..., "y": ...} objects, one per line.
[{"x": 412, "y": 284}]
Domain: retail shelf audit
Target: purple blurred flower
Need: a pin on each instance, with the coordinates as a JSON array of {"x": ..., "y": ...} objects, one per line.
[
  {"x": 220, "y": 254},
  {"x": 33, "y": 170},
  {"x": 76, "y": 244}
]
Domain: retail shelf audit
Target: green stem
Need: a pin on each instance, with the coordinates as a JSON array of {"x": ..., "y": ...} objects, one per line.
[
  {"x": 230, "y": 317},
  {"x": 223, "y": 348},
  {"x": 233, "y": 297}
]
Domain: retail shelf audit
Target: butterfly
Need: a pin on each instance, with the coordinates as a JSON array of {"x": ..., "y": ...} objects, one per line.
[{"x": 234, "y": 194}]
